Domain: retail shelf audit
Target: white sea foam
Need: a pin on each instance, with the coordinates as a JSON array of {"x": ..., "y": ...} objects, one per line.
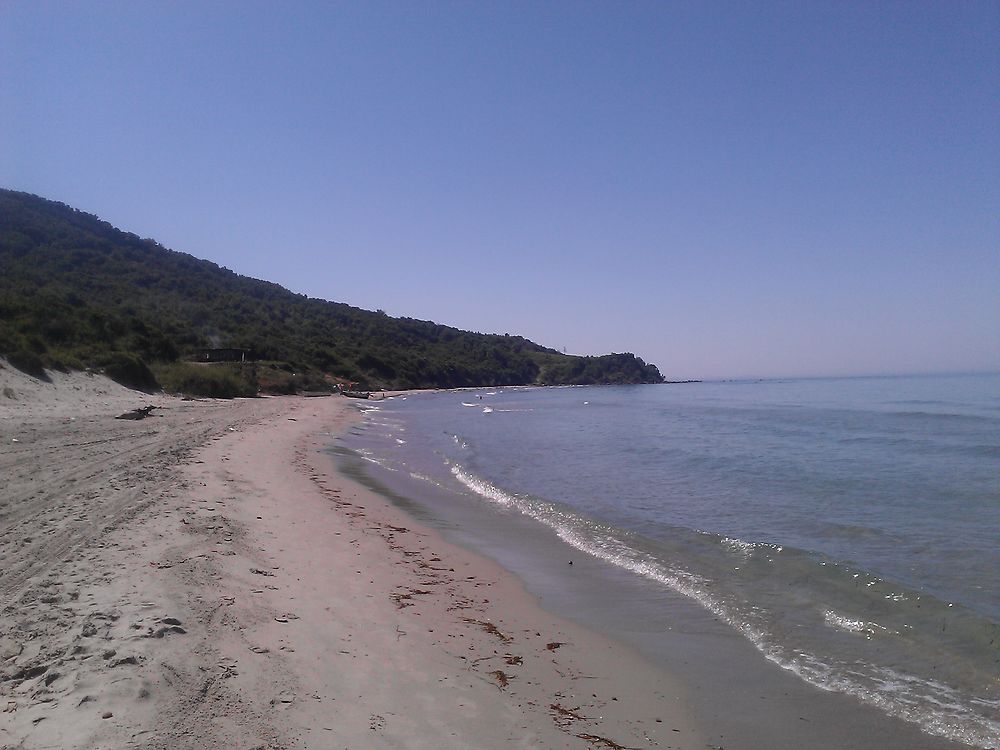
[
  {"x": 937, "y": 708},
  {"x": 745, "y": 549},
  {"x": 740, "y": 547},
  {"x": 379, "y": 462},
  {"x": 850, "y": 625},
  {"x": 844, "y": 623}
]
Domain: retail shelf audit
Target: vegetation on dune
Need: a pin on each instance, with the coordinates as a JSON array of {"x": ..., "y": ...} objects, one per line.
[
  {"x": 213, "y": 381},
  {"x": 75, "y": 292}
]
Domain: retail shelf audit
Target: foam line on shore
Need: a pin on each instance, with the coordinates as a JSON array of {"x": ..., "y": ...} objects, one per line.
[{"x": 937, "y": 708}]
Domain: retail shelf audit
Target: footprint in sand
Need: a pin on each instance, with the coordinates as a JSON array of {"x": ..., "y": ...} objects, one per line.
[
  {"x": 283, "y": 700},
  {"x": 169, "y": 626}
]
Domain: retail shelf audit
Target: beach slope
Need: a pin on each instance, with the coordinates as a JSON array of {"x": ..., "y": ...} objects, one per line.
[{"x": 204, "y": 578}]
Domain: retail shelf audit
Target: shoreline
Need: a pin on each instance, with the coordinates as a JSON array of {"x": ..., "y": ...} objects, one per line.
[
  {"x": 205, "y": 577},
  {"x": 747, "y": 700}
]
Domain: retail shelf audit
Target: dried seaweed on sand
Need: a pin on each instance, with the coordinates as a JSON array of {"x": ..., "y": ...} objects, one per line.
[
  {"x": 489, "y": 627},
  {"x": 597, "y": 741},
  {"x": 501, "y": 677}
]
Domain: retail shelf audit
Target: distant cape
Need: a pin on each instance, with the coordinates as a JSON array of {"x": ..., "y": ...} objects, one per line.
[{"x": 76, "y": 292}]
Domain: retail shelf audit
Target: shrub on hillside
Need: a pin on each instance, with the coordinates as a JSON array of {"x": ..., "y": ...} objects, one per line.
[
  {"x": 130, "y": 371},
  {"x": 208, "y": 381},
  {"x": 29, "y": 363}
]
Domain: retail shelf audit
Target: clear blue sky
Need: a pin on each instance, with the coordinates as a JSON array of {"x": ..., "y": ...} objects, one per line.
[{"x": 724, "y": 188}]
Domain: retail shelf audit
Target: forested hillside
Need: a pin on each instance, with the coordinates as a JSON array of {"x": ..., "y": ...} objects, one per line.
[{"x": 76, "y": 292}]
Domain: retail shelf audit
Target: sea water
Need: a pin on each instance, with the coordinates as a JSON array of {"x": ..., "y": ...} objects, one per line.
[{"x": 848, "y": 528}]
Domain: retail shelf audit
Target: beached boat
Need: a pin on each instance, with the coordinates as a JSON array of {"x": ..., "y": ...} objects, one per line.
[{"x": 356, "y": 394}]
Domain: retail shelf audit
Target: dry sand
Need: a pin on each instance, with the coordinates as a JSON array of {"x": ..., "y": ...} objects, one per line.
[{"x": 204, "y": 578}]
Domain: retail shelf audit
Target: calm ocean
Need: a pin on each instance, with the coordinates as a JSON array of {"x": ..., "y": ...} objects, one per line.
[{"x": 848, "y": 528}]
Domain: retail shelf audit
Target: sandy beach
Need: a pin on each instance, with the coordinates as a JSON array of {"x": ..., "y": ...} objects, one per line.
[{"x": 204, "y": 578}]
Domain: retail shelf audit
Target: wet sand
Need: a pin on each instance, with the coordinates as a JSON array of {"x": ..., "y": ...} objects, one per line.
[{"x": 205, "y": 578}]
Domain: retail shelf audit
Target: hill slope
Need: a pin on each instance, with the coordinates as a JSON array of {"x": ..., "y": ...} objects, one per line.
[{"x": 75, "y": 291}]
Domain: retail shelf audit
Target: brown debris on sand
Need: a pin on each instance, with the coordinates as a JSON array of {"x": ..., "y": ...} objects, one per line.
[
  {"x": 402, "y": 598},
  {"x": 593, "y": 739},
  {"x": 564, "y": 716},
  {"x": 503, "y": 679},
  {"x": 490, "y": 628}
]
